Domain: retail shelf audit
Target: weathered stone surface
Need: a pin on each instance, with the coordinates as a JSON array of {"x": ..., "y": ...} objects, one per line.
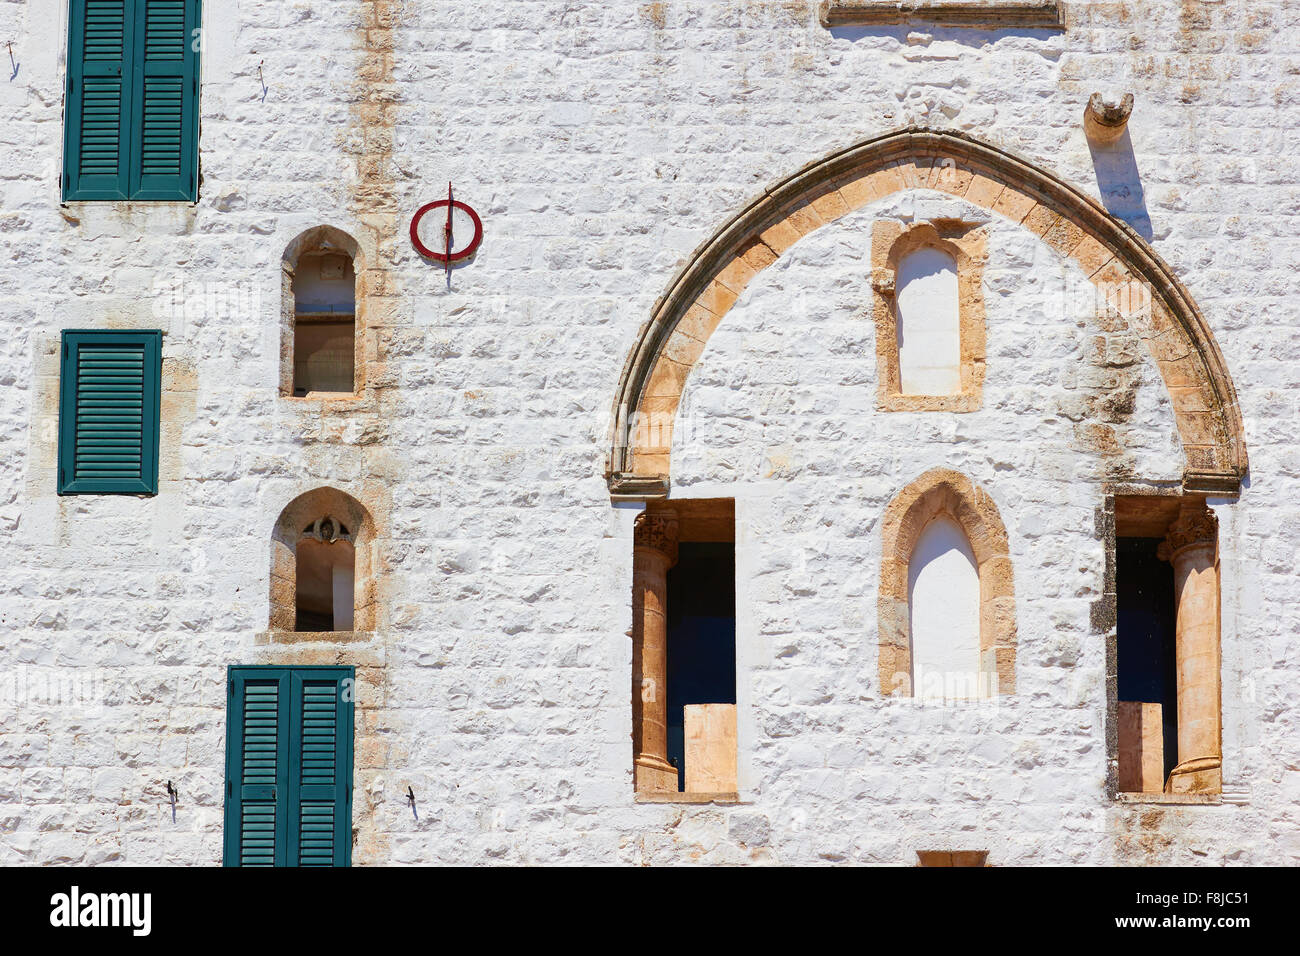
[{"x": 602, "y": 146}]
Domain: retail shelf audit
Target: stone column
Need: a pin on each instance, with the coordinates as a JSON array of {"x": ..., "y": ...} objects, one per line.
[
  {"x": 1191, "y": 547},
  {"x": 654, "y": 552}
]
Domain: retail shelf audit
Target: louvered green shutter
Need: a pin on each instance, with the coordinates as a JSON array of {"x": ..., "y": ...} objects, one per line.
[
  {"x": 109, "y": 397},
  {"x": 320, "y": 825},
  {"x": 257, "y": 757},
  {"x": 164, "y": 120},
  {"x": 98, "y": 101},
  {"x": 132, "y": 106},
  {"x": 289, "y": 767}
]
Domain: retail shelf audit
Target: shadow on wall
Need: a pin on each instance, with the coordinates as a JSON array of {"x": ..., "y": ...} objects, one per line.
[
  {"x": 1120, "y": 183},
  {"x": 921, "y": 33}
]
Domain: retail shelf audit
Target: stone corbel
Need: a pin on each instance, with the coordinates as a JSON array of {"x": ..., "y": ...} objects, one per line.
[{"x": 1105, "y": 118}]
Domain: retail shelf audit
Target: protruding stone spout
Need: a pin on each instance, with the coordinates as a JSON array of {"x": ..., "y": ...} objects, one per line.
[{"x": 1106, "y": 117}]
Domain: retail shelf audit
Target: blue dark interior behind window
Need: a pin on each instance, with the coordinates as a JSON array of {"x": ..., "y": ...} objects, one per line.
[
  {"x": 1146, "y": 630},
  {"x": 701, "y": 636}
]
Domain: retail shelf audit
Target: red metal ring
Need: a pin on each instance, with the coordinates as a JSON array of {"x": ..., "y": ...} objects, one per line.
[{"x": 428, "y": 253}]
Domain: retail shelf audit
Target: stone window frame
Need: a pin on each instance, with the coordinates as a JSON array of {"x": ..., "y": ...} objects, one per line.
[
  {"x": 657, "y": 533},
  {"x": 947, "y": 492},
  {"x": 293, "y": 525},
  {"x": 966, "y": 244},
  {"x": 307, "y": 243},
  {"x": 1192, "y": 539}
]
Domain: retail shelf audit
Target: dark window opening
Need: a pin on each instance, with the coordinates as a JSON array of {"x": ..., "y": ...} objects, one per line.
[
  {"x": 1147, "y": 661},
  {"x": 701, "y": 637}
]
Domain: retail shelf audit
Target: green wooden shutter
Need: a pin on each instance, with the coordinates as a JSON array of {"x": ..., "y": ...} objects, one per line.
[
  {"x": 132, "y": 116},
  {"x": 99, "y": 100},
  {"x": 257, "y": 757},
  {"x": 289, "y": 767},
  {"x": 109, "y": 399},
  {"x": 320, "y": 828},
  {"x": 164, "y": 114}
]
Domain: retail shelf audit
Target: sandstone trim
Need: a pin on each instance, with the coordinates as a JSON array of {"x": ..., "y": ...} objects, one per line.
[
  {"x": 1119, "y": 262},
  {"x": 890, "y": 242},
  {"x": 947, "y": 492}
]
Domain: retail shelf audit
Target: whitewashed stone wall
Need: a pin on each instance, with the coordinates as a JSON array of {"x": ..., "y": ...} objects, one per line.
[{"x": 602, "y": 141}]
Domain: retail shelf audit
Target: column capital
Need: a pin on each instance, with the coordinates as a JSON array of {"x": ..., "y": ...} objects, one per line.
[
  {"x": 1195, "y": 526},
  {"x": 657, "y": 532}
]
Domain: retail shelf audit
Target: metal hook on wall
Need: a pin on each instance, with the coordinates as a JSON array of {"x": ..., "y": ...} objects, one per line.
[
  {"x": 12, "y": 62},
  {"x": 260, "y": 80},
  {"x": 410, "y": 800},
  {"x": 172, "y": 794}
]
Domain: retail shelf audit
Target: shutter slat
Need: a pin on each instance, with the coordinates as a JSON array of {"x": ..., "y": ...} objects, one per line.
[
  {"x": 165, "y": 30},
  {"x": 316, "y": 834},
  {"x": 261, "y": 733},
  {"x": 257, "y": 834},
  {"x": 101, "y": 127}
]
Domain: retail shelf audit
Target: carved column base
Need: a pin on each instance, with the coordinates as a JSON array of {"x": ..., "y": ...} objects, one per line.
[
  {"x": 1197, "y": 776},
  {"x": 653, "y": 774}
]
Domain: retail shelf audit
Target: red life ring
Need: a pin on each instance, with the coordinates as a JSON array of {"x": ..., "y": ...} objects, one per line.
[{"x": 443, "y": 257}]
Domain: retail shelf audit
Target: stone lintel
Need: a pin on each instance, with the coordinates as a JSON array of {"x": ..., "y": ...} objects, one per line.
[{"x": 987, "y": 14}]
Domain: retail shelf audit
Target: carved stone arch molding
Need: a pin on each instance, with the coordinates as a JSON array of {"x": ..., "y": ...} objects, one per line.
[
  {"x": 942, "y": 491},
  {"x": 1128, "y": 274},
  {"x": 331, "y": 515}
]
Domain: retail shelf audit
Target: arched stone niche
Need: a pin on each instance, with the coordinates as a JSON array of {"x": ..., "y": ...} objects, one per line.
[
  {"x": 892, "y": 246},
  {"x": 319, "y": 248},
  {"x": 949, "y": 493},
  {"x": 322, "y": 517}
]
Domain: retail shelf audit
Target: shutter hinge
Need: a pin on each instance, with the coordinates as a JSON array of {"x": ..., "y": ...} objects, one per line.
[{"x": 230, "y": 789}]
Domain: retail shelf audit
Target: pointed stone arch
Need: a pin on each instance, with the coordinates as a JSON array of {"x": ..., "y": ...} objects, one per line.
[
  {"x": 942, "y": 491},
  {"x": 1128, "y": 274}
]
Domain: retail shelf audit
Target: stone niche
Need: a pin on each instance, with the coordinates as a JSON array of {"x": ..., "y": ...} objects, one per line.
[
  {"x": 911, "y": 635},
  {"x": 322, "y": 317},
  {"x": 322, "y": 577},
  {"x": 928, "y": 305}
]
